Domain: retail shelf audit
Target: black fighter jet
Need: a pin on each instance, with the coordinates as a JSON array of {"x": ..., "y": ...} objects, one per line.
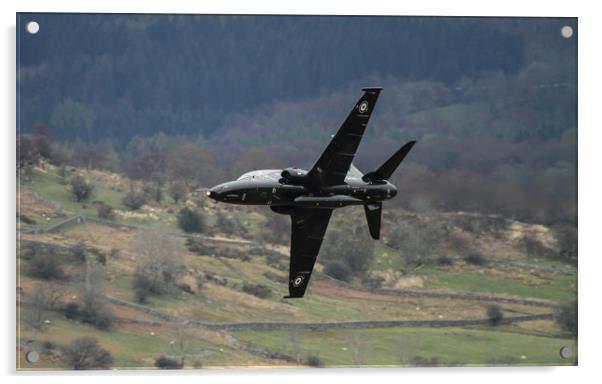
[{"x": 309, "y": 197}]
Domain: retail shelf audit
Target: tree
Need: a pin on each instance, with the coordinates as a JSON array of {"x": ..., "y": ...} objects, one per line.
[
  {"x": 338, "y": 269},
  {"x": 105, "y": 211},
  {"x": 44, "y": 264},
  {"x": 494, "y": 315},
  {"x": 27, "y": 152},
  {"x": 164, "y": 362},
  {"x": 349, "y": 243},
  {"x": 153, "y": 191},
  {"x": 566, "y": 317},
  {"x": 276, "y": 229},
  {"x": 80, "y": 188},
  {"x": 159, "y": 264},
  {"x": 150, "y": 167},
  {"x": 73, "y": 116},
  {"x": 177, "y": 191},
  {"x": 417, "y": 240},
  {"x": 134, "y": 200},
  {"x": 192, "y": 164},
  {"x": 86, "y": 353},
  {"x": 259, "y": 290},
  {"x": 93, "y": 308},
  {"x": 191, "y": 221},
  {"x": 43, "y": 299}
]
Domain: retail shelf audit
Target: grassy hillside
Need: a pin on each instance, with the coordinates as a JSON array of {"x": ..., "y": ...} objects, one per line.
[{"x": 181, "y": 321}]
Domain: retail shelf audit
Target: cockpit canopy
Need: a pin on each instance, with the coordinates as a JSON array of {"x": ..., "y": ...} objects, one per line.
[{"x": 261, "y": 173}]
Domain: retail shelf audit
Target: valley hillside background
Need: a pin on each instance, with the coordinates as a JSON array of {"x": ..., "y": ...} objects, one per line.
[{"x": 123, "y": 121}]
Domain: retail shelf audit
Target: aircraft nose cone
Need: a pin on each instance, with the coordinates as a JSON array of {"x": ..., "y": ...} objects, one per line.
[{"x": 211, "y": 194}]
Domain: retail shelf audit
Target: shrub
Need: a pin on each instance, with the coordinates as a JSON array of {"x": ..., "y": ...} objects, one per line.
[
  {"x": 313, "y": 361},
  {"x": 374, "y": 282},
  {"x": 105, "y": 211},
  {"x": 494, "y": 315},
  {"x": 420, "y": 361},
  {"x": 185, "y": 288},
  {"x": 475, "y": 259},
  {"x": 96, "y": 314},
  {"x": 72, "y": 311},
  {"x": 143, "y": 285},
  {"x": 164, "y": 362},
  {"x": 153, "y": 192},
  {"x": 177, "y": 191},
  {"x": 101, "y": 258},
  {"x": 80, "y": 188},
  {"x": 200, "y": 283},
  {"x": 134, "y": 200},
  {"x": 45, "y": 266},
  {"x": 79, "y": 252},
  {"x": 190, "y": 221},
  {"x": 48, "y": 345},
  {"x": 445, "y": 261},
  {"x": 86, "y": 353},
  {"x": 225, "y": 224},
  {"x": 567, "y": 317},
  {"x": 26, "y": 219},
  {"x": 259, "y": 290},
  {"x": 338, "y": 270}
]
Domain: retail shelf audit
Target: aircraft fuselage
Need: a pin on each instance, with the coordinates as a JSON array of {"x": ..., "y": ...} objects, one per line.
[{"x": 268, "y": 187}]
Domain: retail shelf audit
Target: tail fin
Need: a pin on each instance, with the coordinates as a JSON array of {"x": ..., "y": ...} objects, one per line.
[
  {"x": 373, "y": 215},
  {"x": 386, "y": 170}
]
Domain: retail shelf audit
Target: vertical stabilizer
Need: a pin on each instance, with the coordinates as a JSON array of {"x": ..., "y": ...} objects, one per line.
[{"x": 373, "y": 215}]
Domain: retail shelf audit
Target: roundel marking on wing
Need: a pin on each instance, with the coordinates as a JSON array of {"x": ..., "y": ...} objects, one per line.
[
  {"x": 297, "y": 281},
  {"x": 363, "y": 107}
]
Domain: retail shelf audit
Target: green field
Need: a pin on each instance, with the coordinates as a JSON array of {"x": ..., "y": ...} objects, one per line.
[
  {"x": 134, "y": 343},
  {"x": 402, "y": 346}
]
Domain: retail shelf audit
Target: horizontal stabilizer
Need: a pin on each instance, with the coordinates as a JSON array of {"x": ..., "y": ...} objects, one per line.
[{"x": 386, "y": 170}]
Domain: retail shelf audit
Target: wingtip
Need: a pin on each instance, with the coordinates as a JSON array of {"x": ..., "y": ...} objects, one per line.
[{"x": 377, "y": 89}]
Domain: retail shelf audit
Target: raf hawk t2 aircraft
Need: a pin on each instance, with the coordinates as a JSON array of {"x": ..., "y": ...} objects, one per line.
[{"x": 309, "y": 197}]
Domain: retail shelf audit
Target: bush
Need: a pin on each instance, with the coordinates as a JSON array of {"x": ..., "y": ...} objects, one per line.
[
  {"x": 475, "y": 259},
  {"x": 96, "y": 314},
  {"x": 190, "y": 221},
  {"x": 134, "y": 200},
  {"x": 72, "y": 311},
  {"x": 259, "y": 290},
  {"x": 143, "y": 286},
  {"x": 494, "y": 315},
  {"x": 101, "y": 258},
  {"x": 45, "y": 265},
  {"x": 200, "y": 283},
  {"x": 185, "y": 288},
  {"x": 80, "y": 188},
  {"x": 177, "y": 191},
  {"x": 48, "y": 345},
  {"x": 313, "y": 361},
  {"x": 338, "y": 270},
  {"x": 374, "y": 282},
  {"x": 153, "y": 192},
  {"x": 164, "y": 362},
  {"x": 79, "y": 252},
  {"x": 105, "y": 211},
  {"x": 445, "y": 261},
  {"x": 101, "y": 318},
  {"x": 85, "y": 353},
  {"x": 567, "y": 317}
]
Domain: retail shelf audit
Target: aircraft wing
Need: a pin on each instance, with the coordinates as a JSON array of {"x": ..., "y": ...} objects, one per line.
[
  {"x": 333, "y": 165},
  {"x": 308, "y": 228}
]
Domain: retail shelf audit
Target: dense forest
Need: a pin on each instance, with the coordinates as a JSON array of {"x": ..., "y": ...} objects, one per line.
[{"x": 492, "y": 101}]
